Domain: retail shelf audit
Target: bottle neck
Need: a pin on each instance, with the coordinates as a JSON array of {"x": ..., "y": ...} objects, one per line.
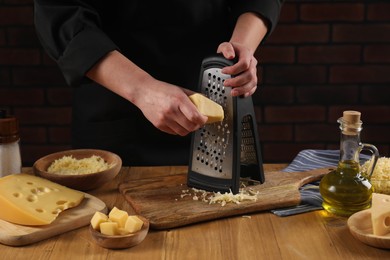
[{"x": 350, "y": 145}]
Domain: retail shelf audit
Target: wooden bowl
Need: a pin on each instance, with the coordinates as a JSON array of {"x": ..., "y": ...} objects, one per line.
[
  {"x": 121, "y": 241},
  {"x": 361, "y": 228},
  {"x": 82, "y": 181}
]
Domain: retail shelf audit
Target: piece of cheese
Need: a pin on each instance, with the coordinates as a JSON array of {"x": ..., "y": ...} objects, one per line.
[
  {"x": 119, "y": 216},
  {"x": 97, "y": 219},
  {"x": 30, "y": 200},
  {"x": 207, "y": 107},
  {"x": 109, "y": 228},
  {"x": 380, "y": 214},
  {"x": 133, "y": 224}
]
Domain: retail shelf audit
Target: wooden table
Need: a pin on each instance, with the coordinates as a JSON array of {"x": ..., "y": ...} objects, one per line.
[{"x": 314, "y": 235}]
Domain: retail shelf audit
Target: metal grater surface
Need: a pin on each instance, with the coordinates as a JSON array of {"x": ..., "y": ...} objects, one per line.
[
  {"x": 248, "y": 142},
  {"x": 213, "y": 152},
  {"x": 224, "y": 152}
]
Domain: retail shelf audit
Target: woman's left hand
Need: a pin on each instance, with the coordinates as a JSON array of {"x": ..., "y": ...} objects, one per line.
[{"x": 244, "y": 71}]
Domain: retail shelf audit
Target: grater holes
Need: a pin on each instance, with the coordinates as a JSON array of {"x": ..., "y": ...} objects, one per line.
[
  {"x": 213, "y": 148},
  {"x": 248, "y": 145}
]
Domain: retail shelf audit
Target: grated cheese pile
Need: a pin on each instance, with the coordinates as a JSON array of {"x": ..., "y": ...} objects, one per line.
[
  {"x": 221, "y": 198},
  {"x": 380, "y": 178},
  {"x": 68, "y": 165}
]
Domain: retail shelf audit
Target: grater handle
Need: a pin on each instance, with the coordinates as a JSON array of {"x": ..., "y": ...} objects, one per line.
[{"x": 217, "y": 60}]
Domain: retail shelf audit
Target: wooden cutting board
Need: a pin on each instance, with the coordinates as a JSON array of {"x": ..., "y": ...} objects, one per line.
[
  {"x": 18, "y": 235},
  {"x": 159, "y": 199}
]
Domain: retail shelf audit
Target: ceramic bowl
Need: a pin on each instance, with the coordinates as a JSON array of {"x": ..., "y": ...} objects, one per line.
[
  {"x": 81, "y": 182},
  {"x": 121, "y": 241}
]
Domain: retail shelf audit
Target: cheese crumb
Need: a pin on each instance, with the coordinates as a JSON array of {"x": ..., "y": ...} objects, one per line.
[
  {"x": 68, "y": 165},
  {"x": 220, "y": 198},
  {"x": 380, "y": 178}
]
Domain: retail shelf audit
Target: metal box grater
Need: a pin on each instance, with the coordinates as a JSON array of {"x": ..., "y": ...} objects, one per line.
[{"x": 225, "y": 152}]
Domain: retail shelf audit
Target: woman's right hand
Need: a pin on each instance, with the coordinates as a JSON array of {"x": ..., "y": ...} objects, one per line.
[{"x": 168, "y": 107}]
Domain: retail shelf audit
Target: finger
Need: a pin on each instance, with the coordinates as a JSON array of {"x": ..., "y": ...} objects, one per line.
[
  {"x": 192, "y": 119},
  {"x": 188, "y": 92},
  {"x": 169, "y": 122},
  {"x": 241, "y": 79},
  {"x": 167, "y": 130},
  {"x": 241, "y": 66},
  {"x": 246, "y": 90},
  {"x": 176, "y": 122},
  {"x": 251, "y": 92},
  {"x": 173, "y": 126},
  {"x": 179, "y": 129},
  {"x": 227, "y": 50}
]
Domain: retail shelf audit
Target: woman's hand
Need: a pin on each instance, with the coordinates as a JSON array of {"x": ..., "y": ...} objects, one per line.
[
  {"x": 168, "y": 108},
  {"x": 248, "y": 32},
  {"x": 244, "y": 71}
]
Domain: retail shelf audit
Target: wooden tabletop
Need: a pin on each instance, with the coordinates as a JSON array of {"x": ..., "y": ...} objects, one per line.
[{"x": 313, "y": 235}]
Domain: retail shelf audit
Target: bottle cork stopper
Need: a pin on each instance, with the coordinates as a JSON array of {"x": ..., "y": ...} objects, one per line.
[
  {"x": 351, "y": 117},
  {"x": 352, "y": 123}
]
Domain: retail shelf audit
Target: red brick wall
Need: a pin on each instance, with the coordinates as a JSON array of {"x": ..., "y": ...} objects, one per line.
[{"x": 324, "y": 57}]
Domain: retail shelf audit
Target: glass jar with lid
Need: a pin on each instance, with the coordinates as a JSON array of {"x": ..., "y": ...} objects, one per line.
[{"x": 10, "y": 158}]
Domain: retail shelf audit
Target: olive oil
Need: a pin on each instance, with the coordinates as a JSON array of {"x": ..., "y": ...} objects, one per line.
[{"x": 344, "y": 190}]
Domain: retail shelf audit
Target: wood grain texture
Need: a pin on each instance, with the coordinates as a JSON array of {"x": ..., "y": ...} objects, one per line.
[
  {"x": 312, "y": 235},
  {"x": 360, "y": 226},
  {"x": 18, "y": 235},
  {"x": 159, "y": 199}
]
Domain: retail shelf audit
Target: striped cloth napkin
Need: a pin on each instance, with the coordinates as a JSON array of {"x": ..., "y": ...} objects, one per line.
[{"x": 310, "y": 194}]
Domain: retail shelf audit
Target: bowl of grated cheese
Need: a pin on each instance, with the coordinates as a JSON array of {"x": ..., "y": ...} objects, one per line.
[
  {"x": 80, "y": 169},
  {"x": 380, "y": 178}
]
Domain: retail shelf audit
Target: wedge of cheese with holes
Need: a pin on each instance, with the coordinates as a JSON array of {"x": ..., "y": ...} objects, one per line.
[
  {"x": 30, "y": 200},
  {"x": 380, "y": 214},
  {"x": 207, "y": 107}
]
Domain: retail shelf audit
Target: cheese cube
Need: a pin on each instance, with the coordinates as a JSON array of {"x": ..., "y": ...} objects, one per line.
[
  {"x": 133, "y": 224},
  {"x": 380, "y": 214},
  {"x": 30, "y": 200},
  {"x": 119, "y": 216},
  {"x": 97, "y": 219},
  {"x": 123, "y": 231},
  {"x": 207, "y": 107},
  {"x": 109, "y": 228}
]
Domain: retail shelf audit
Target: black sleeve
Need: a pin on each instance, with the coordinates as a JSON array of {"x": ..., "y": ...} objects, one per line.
[
  {"x": 267, "y": 9},
  {"x": 69, "y": 31}
]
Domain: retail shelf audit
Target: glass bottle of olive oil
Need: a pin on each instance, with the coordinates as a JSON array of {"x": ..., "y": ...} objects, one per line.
[{"x": 344, "y": 190}]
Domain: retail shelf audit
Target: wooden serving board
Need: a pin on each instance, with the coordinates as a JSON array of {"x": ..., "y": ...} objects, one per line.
[
  {"x": 159, "y": 199},
  {"x": 19, "y": 235}
]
